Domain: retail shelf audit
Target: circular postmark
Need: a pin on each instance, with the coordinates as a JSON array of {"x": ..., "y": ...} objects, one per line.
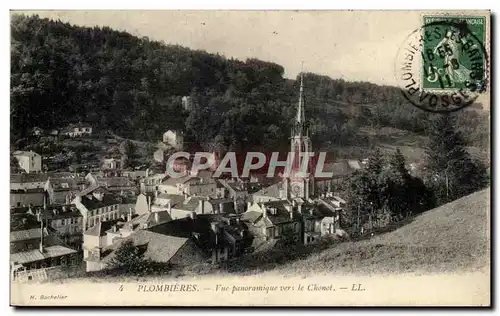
[{"x": 441, "y": 67}]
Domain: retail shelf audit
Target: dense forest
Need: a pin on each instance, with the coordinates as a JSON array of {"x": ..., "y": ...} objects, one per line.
[{"x": 133, "y": 86}]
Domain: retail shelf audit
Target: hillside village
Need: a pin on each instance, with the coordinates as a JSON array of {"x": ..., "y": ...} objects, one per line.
[
  {"x": 84, "y": 200},
  {"x": 65, "y": 218}
]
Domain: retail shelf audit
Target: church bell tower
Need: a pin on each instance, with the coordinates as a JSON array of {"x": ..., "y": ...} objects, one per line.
[{"x": 301, "y": 185}]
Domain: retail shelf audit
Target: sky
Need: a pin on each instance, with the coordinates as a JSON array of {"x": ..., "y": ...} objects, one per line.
[{"x": 353, "y": 45}]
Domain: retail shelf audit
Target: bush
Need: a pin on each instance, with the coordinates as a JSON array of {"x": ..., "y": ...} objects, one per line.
[{"x": 129, "y": 259}]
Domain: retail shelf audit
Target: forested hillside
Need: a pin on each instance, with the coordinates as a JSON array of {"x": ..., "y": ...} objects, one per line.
[{"x": 133, "y": 86}]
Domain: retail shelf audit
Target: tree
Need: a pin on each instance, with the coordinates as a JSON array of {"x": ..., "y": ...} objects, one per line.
[
  {"x": 128, "y": 151},
  {"x": 452, "y": 172},
  {"x": 14, "y": 165},
  {"x": 407, "y": 195},
  {"x": 367, "y": 192},
  {"x": 129, "y": 259}
]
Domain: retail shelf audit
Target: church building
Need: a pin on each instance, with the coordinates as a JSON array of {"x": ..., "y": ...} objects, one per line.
[{"x": 300, "y": 183}]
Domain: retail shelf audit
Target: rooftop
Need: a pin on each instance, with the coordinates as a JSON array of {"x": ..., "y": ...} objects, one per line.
[
  {"x": 26, "y": 191},
  {"x": 63, "y": 184},
  {"x": 92, "y": 203},
  {"x": 28, "y": 234},
  {"x": 157, "y": 247},
  {"x": 36, "y": 255},
  {"x": 116, "y": 182},
  {"x": 30, "y": 154},
  {"x": 271, "y": 191},
  {"x": 282, "y": 215},
  {"x": 184, "y": 227},
  {"x": 173, "y": 198},
  {"x": 175, "y": 181},
  {"x": 28, "y": 177},
  {"x": 190, "y": 204},
  {"x": 150, "y": 219},
  {"x": 101, "y": 228},
  {"x": 225, "y": 206}
]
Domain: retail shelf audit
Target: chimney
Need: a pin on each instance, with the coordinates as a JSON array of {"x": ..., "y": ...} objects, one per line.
[
  {"x": 114, "y": 228},
  {"x": 41, "y": 237},
  {"x": 149, "y": 203},
  {"x": 157, "y": 219},
  {"x": 129, "y": 216},
  {"x": 201, "y": 205}
]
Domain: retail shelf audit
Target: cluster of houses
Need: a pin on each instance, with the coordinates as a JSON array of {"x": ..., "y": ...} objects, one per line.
[
  {"x": 67, "y": 218},
  {"x": 72, "y": 130},
  {"x": 192, "y": 219}
]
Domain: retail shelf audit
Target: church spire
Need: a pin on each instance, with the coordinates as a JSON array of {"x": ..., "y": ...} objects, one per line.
[{"x": 300, "y": 110}]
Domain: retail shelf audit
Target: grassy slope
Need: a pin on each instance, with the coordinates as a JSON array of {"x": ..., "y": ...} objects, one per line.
[{"x": 451, "y": 237}]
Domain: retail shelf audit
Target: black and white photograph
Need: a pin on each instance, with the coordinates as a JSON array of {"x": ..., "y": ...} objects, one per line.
[{"x": 250, "y": 158}]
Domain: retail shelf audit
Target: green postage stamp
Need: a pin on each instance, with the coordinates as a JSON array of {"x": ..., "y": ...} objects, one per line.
[
  {"x": 443, "y": 65},
  {"x": 453, "y": 54}
]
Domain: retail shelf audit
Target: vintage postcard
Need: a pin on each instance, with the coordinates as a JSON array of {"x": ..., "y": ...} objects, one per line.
[{"x": 250, "y": 158}]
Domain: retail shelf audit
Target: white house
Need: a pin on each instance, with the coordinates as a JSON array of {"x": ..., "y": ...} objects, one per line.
[
  {"x": 97, "y": 205},
  {"x": 111, "y": 163},
  {"x": 174, "y": 139},
  {"x": 79, "y": 129},
  {"x": 187, "y": 103},
  {"x": 30, "y": 161}
]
